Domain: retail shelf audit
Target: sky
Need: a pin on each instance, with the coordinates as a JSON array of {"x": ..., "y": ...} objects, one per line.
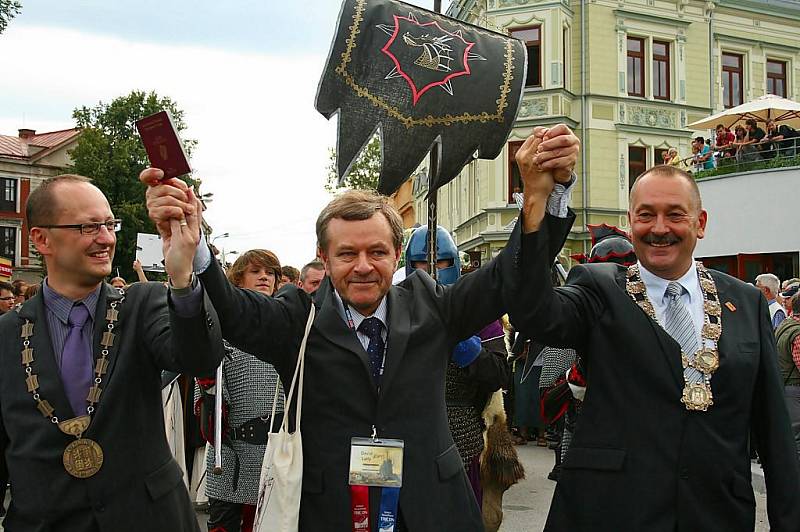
[{"x": 244, "y": 71}]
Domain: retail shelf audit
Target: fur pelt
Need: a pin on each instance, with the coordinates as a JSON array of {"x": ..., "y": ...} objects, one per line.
[{"x": 500, "y": 465}]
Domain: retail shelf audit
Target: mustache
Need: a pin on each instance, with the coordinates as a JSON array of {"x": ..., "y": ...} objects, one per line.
[{"x": 669, "y": 238}]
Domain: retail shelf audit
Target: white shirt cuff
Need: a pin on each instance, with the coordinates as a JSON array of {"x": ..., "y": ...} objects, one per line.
[
  {"x": 202, "y": 256},
  {"x": 558, "y": 201}
]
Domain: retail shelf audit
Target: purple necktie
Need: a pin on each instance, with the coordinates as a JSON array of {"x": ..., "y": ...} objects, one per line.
[{"x": 76, "y": 360}]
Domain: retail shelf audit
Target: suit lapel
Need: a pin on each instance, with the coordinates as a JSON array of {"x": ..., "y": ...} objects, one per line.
[
  {"x": 670, "y": 349},
  {"x": 108, "y": 294},
  {"x": 44, "y": 365},
  {"x": 331, "y": 325},
  {"x": 726, "y": 342},
  {"x": 399, "y": 331}
]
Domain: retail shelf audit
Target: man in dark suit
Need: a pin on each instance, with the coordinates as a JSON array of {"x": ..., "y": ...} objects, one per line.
[
  {"x": 353, "y": 389},
  {"x": 96, "y": 463},
  {"x": 662, "y": 443}
]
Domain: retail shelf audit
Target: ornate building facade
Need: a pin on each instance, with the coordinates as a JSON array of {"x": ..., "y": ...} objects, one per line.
[{"x": 627, "y": 76}]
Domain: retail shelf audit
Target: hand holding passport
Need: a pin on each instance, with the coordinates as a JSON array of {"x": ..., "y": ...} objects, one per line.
[{"x": 163, "y": 145}]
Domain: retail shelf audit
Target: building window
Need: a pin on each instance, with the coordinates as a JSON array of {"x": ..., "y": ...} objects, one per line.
[
  {"x": 514, "y": 177},
  {"x": 661, "y": 70},
  {"x": 658, "y": 155},
  {"x": 532, "y": 37},
  {"x": 637, "y": 163},
  {"x": 8, "y": 194},
  {"x": 776, "y": 78},
  {"x": 8, "y": 243},
  {"x": 732, "y": 75},
  {"x": 635, "y": 67}
]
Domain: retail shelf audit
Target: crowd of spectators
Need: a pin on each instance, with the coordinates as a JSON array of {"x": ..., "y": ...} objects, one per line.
[{"x": 745, "y": 144}]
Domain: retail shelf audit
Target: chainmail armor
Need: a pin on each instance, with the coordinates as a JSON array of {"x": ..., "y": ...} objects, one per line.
[{"x": 464, "y": 419}]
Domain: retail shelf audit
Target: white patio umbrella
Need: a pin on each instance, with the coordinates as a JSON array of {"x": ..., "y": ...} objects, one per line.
[{"x": 768, "y": 107}]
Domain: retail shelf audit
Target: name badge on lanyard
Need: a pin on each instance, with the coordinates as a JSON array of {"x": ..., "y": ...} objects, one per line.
[{"x": 377, "y": 463}]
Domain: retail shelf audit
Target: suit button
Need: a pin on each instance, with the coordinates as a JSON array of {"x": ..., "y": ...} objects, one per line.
[
  {"x": 99, "y": 507},
  {"x": 684, "y": 473}
]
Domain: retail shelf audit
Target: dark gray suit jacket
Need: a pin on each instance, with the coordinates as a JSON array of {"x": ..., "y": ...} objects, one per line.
[
  {"x": 639, "y": 460},
  {"x": 340, "y": 402},
  {"x": 139, "y": 486}
]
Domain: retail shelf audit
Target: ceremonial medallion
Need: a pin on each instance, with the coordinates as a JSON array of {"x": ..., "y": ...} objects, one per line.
[
  {"x": 83, "y": 458},
  {"x": 697, "y": 396},
  {"x": 706, "y": 360},
  {"x": 75, "y": 426},
  {"x": 697, "y": 390}
]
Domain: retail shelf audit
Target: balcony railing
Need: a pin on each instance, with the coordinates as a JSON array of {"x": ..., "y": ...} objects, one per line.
[{"x": 779, "y": 154}]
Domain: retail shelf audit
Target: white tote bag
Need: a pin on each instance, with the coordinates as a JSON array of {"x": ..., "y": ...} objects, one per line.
[{"x": 278, "y": 505}]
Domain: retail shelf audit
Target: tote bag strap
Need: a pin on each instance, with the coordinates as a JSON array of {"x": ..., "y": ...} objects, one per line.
[{"x": 298, "y": 372}]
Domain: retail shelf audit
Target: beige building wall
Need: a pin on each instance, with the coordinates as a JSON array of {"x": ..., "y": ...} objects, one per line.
[{"x": 475, "y": 206}]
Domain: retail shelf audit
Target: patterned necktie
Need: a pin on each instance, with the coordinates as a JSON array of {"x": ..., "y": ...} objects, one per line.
[
  {"x": 372, "y": 328},
  {"x": 679, "y": 324},
  {"x": 76, "y": 360}
]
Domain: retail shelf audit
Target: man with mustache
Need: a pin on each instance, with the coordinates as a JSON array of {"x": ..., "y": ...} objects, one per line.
[
  {"x": 377, "y": 354},
  {"x": 82, "y": 425},
  {"x": 681, "y": 362}
]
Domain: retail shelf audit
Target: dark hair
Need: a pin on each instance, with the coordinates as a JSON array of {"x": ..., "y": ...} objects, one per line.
[
  {"x": 359, "y": 205},
  {"x": 672, "y": 171},
  {"x": 796, "y": 304},
  {"x": 701, "y": 140},
  {"x": 42, "y": 204},
  {"x": 720, "y": 126},
  {"x": 18, "y": 284},
  {"x": 7, "y": 286},
  {"x": 259, "y": 257},
  {"x": 313, "y": 265},
  {"x": 751, "y": 122},
  {"x": 291, "y": 273},
  {"x": 32, "y": 290}
]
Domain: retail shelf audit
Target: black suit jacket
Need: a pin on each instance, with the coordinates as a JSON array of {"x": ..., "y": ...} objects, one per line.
[
  {"x": 139, "y": 486},
  {"x": 340, "y": 402},
  {"x": 639, "y": 460}
]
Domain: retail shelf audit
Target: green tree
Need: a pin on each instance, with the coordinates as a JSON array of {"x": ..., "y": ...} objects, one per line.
[
  {"x": 364, "y": 172},
  {"x": 8, "y": 10},
  {"x": 110, "y": 152}
]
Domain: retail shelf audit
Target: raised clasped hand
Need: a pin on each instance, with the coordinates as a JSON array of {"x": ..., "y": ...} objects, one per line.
[
  {"x": 547, "y": 157},
  {"x": 176, "y": 211}
]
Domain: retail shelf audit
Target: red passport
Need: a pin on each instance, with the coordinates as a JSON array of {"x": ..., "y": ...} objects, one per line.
[{"x": 163, "y": 145}]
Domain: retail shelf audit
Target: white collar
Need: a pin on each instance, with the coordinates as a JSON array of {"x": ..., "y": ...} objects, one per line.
[
  {"x": 380, "y": 312},
  {"x": 657, "y": 286}
]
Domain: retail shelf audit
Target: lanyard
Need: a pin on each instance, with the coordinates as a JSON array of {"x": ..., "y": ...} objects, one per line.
[{"x": 352, "y": 326}]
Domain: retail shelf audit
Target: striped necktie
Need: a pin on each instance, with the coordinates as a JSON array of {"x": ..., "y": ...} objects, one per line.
[{"x": 679, "y": 324}]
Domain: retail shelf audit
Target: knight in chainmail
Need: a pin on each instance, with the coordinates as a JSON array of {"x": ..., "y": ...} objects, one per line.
[
  {"x": 248, "y": 390},
  {"x": 556, "y": 363},
  {"x": 467, "y": 390},
  {"x": 477, "y": 366}
]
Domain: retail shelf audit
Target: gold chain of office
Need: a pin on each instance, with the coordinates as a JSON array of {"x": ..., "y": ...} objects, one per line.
[
  {"x": 696, "y": 395},
  {"x": 83, "y": 457}
]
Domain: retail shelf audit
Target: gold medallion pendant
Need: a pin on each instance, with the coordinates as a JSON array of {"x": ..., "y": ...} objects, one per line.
[
  {"x": 697, "y": 396},
  {"x": 706, "y": 360},
  {"x": 83, "y": 458}
]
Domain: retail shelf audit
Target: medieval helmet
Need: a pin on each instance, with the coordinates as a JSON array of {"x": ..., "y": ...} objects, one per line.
[
  {"x": 417, "y": 250},
  {"x": 609, "y": 244}
]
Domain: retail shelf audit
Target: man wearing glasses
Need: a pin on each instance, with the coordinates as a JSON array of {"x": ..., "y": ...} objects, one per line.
[
  {"x": 82, "y": 425},
  {"x": 7, "y": 298}
]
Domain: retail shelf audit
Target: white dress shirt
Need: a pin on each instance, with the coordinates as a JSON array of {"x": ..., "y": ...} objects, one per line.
[{"x": 692, "y": 296}]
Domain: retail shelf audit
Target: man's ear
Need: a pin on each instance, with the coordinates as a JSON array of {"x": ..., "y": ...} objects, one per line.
[
  {"x": 41, "y": 240},
  {"x": 324, "y": 258}
]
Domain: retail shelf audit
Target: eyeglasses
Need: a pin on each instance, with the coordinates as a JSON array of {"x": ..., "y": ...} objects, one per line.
[
  {"x": 89, "y": 229},
  {"x": 9, "y": 298}
]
